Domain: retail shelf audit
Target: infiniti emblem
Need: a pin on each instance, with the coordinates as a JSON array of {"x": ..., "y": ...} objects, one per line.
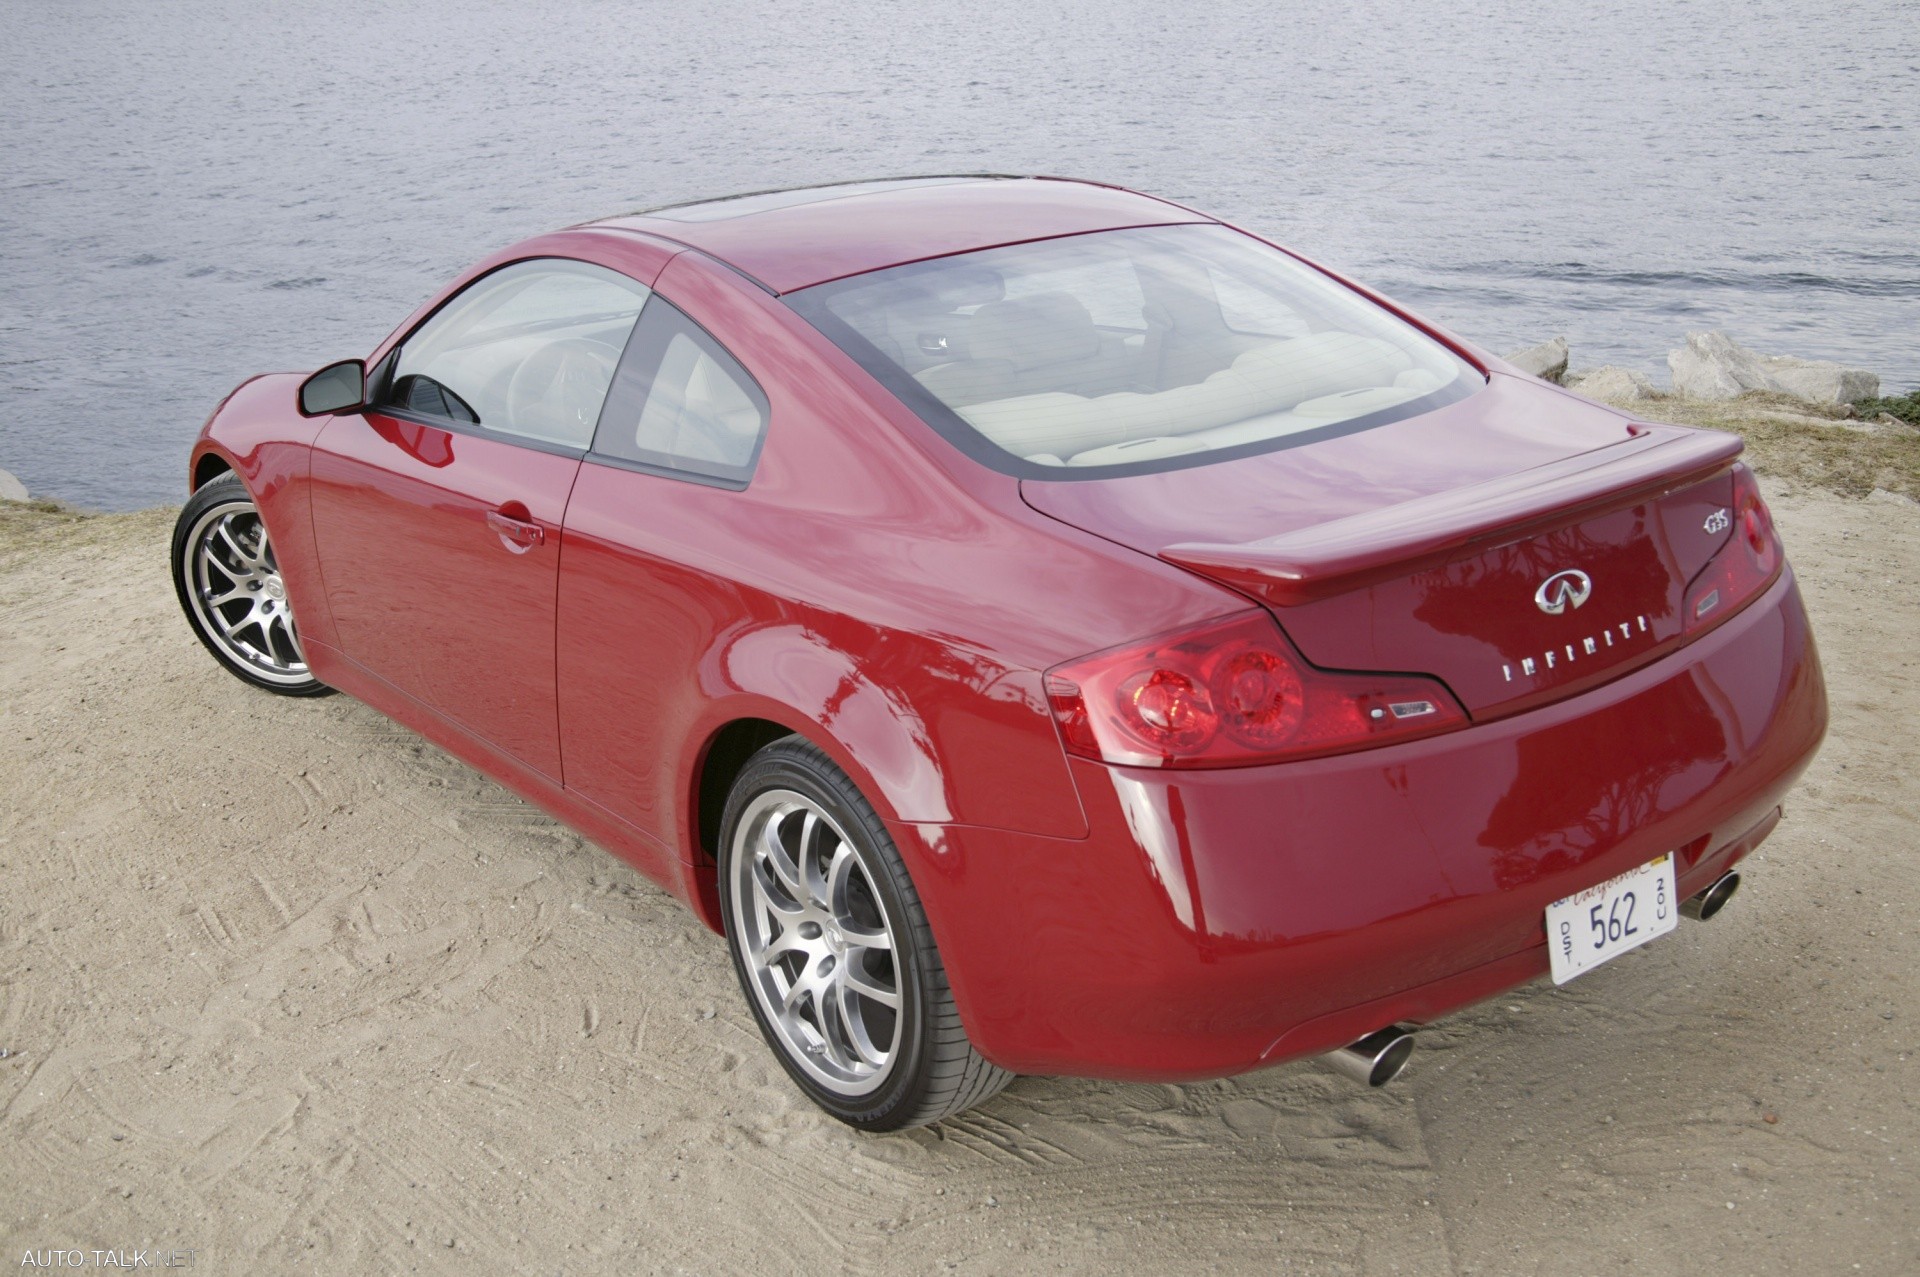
[{"x": 1563, "y": 590}]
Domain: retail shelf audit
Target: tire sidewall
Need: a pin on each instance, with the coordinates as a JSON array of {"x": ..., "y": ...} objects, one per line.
[{"x": 792, "y": 764}]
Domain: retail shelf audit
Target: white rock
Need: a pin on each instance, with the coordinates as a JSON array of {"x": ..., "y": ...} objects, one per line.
[
  {"x": 1714, "y": 366},
  {"x": 1614, "y": 384},
  {"x": 11, "y": 489},
  {"x": 1547, "y": 361},
  {"x": 1820, "y": 381}
]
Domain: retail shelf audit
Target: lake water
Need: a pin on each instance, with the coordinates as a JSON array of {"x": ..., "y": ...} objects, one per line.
[{"x": 190, "y": 193}]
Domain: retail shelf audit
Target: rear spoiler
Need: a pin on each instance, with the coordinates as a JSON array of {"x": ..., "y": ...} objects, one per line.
[{"x": 1298, "y": 567}]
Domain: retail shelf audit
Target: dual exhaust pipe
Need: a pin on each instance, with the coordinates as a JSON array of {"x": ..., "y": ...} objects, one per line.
[{"x": 1377, "y": 1059}]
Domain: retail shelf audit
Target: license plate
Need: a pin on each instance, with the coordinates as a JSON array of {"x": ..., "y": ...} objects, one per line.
[{"x": 1603, "y": 922}]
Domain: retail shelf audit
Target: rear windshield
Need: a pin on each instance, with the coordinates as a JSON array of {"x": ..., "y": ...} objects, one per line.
[{"x": 1129, "y": 351}]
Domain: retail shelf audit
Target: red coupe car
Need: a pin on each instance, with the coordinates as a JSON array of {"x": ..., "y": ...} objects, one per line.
[{"x": 1044, "y": 628}]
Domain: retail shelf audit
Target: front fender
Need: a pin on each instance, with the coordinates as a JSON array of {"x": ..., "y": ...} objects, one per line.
[{"x": 259, "y": 434}]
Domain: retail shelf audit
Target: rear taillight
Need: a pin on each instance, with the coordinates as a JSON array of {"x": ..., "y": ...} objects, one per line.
[
  {"x": 1231, "y": 693},
  {"x": 1744, "y": 566}
]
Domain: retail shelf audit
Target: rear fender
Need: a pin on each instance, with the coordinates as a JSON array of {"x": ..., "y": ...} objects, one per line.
[
  {"x": 788, "y": 674},
  {"x": 873, "y": 730}
]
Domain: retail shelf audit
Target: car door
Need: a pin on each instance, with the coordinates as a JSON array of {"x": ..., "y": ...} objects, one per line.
[
  {"x": 438, "y": 511},
  {"x": 640, "y": 599}
]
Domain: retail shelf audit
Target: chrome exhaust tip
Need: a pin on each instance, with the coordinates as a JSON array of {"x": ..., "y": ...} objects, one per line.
[
  {"x": 1713, "y": 899},
  {"x": 1374, "y": 1060}
]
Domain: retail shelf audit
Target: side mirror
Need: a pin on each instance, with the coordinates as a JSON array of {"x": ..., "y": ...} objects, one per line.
[{"x": 339, "y": 387}]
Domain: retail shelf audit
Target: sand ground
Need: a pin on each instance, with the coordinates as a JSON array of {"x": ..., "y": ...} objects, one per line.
[{"x": 285, "y": 985}]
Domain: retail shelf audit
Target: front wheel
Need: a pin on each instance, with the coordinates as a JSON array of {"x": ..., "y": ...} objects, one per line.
[
  {"x": 833, "y": 950},
  {"x": 230, "y": 587}
]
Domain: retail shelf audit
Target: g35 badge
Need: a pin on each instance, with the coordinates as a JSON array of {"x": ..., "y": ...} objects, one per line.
[{"x": 1718, "y": 521}]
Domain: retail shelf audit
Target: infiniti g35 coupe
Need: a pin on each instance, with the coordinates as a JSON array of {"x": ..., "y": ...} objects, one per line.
[{"x": 1045, "y": 629}]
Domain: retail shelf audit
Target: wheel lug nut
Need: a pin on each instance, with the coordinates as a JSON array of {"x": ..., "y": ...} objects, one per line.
[
  {"x": 826, "y": 965},
  {"x": 809, "y": 931}
]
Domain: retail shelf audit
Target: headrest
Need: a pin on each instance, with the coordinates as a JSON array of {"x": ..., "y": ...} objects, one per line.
[
  {"x": 960, "y": 285},
  {"x": 946, "y": 285},
  {"x": 1034, "y": 331}
]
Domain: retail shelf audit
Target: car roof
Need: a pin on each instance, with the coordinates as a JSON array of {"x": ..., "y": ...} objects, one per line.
[{"x": 795, "y": 238}]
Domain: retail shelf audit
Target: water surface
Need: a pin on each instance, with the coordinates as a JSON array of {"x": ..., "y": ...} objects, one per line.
[{"x": 193, "y": 193}]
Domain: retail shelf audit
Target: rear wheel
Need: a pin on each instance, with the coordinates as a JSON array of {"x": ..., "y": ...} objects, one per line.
[
  {"x": 230, "y": 587},
  {"x": 833, "y": 950}
]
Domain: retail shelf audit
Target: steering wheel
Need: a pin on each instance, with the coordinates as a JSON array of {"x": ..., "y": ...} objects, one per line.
[{"x": 556, "y": 391}]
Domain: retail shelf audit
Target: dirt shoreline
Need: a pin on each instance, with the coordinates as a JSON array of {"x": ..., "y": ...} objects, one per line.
[{"x": 282, "y": 983}]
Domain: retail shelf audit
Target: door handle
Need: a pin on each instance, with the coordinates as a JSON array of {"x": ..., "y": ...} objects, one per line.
[{"x": 518, "y": 535}]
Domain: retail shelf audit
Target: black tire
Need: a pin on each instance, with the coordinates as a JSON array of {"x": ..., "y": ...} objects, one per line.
[
  {"x": 933, "y": 1070},
  {"x": 252, "y": 634}
]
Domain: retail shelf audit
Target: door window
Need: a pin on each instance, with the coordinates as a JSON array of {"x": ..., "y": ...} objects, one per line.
[
  {"x": 528, "y": 350},
  {"x": 683, "y": 404}
]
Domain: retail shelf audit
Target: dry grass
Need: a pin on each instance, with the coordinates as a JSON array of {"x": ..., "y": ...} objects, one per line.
[
  {"x": 23, "y": 522},
  {"x": 27, "y": 527},
  {"x": 1795, "y": 443}
]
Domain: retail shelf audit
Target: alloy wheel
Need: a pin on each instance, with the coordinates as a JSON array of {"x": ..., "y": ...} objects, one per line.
[
  {"x": 238, "y": 595},
  {"x": 818, "y": 946}
]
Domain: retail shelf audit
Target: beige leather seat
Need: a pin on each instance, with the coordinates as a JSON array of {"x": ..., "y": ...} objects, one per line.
[
  {"x": 1269, "y": 381},
  {"x": 1030, "y": 345},
  {"x": 696, "y": 411}
]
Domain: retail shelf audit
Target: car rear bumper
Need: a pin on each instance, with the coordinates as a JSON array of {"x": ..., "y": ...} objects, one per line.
[{"x": 1216, "y": 921}]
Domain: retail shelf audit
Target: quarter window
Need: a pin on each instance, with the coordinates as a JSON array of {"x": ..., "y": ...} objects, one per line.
[
  {"x": 682, "y": 403},
  {"x": 528, "y": 350}
]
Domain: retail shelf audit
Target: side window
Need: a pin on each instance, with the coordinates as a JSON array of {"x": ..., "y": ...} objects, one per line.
[
  {"x": 682, "y": 402},
  {"x": 528, "y": 350}
]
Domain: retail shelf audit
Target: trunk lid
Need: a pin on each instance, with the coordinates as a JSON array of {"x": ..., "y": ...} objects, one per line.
[{"x": 1521, "y": 545}]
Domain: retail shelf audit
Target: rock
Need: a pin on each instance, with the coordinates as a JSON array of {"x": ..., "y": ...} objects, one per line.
[
  {"x": 1714, "y": 366},
  {"x": 11, "y": 489},
  {"x": 1614, "y": 384},
  {"x": 1820, "y": 381},
  {"x": 1547, "y": 361}
]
